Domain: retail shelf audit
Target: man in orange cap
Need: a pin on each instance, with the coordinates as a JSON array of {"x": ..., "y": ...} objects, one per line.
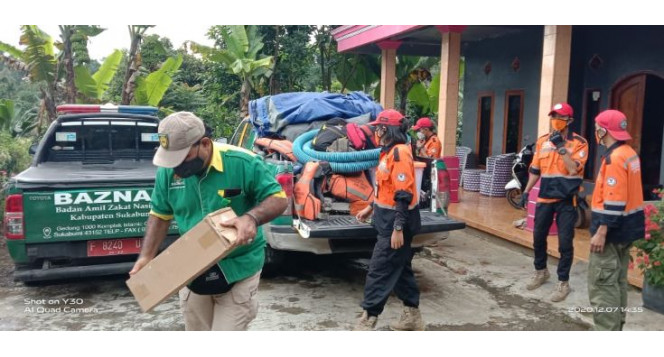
[
  {"x": 559, "y": 160},
  {"x": 428, "y": 144},
  {"x": 617, "y": 221}
]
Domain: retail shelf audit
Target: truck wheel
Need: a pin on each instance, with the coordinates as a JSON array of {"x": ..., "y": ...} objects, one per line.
[
  {"x": 513, "y": 196},
  {"x": 274, "y": 259}
]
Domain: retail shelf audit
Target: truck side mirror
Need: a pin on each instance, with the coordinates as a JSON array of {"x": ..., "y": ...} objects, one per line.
[{"x": 33, "y": 149}]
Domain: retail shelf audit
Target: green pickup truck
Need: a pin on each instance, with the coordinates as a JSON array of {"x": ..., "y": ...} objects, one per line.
[
  {"x": 80, "y": 208},
  {"x": 338, "y": 232}
]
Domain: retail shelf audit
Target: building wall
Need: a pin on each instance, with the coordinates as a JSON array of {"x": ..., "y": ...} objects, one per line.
[
  {"x": 623, "y": 50},
  {"x": 500, "y": 53}
]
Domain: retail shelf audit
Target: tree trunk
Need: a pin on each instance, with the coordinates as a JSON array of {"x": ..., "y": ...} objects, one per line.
[
  {"x": 274, "y": 80},
  {"x": 245, "y": 92},
  {"x": 49, "y": 102},
  {"x": 130, "y": 76},
  {"x": 70, "y": 91}
]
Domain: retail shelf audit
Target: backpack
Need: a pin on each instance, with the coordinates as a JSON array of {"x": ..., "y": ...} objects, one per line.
[
  {"x": 361, "y": 137},
  {"x": 329, "y": 133}
]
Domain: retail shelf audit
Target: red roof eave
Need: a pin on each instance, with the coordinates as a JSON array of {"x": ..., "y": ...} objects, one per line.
[{"x": 349, "y": 37}]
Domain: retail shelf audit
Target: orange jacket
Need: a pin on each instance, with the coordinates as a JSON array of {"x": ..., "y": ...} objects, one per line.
[
  {"x": 618, "y": 195},
  {"x": 395, "y": 178},
  {"x": 431, "y": 148},
  {"x": 396, "y": 192},
  {"x": 557, "y": 183}
]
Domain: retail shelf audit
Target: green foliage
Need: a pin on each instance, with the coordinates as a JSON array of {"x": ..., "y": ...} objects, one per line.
[
  {"x": 182, "y": 97},
  {"x": 114, "y": 92},
  {"x": 154, "y": 51},
  {"x": 293, "y": 57},
  {"x": 424, "y": 98},
  {"x": 358, "y": 72},
  {"x": 650, "y": 255},
  {"x": 39, "y": 53},
  {"x": 238, "y": 51},
  {"x": 14, "y": 155},
  {"x": 16, "y": 121},
  {"x": 77, "y": 36},
  {"x": 151, "y": 89},
  {"x": 94, "y": 86}
]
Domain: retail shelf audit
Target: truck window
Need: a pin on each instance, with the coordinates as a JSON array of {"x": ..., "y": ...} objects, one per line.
[
  {"x": 103, "y": 140},
  {"x": 241, "y": 133}
]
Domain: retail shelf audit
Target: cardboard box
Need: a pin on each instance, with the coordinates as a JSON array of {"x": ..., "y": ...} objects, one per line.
[{"x": 185, "y": 259}]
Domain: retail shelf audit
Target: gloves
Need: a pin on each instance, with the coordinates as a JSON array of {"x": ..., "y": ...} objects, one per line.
[
  {"x": 524, "y": 199},
  {"x": 557, "y": 139}
]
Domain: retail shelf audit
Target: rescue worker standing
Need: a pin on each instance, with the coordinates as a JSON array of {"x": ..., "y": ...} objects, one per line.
[
  {"x": 559, "y": 159},
  {"x": 197, "y": 177},
  {"x": 617, "y": 221},
  {"x": 397, "y": 219},
  {"x": 428, "y": 145}
]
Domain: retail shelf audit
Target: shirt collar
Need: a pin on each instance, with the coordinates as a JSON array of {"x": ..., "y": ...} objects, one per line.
[
  {"x": 611, "y": 148},
  {"x": 216, "y": 163}
]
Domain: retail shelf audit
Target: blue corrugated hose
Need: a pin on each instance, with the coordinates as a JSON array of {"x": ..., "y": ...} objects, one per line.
[{"x": 340, "y": 162}]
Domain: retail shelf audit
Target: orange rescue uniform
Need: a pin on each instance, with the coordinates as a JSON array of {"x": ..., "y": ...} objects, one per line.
[
  {"x": 556, "y": 182},
  {"x": 618, "y": 195},
  {"x": 396, "y": 193},
  {"x": 431, "y": 148}
]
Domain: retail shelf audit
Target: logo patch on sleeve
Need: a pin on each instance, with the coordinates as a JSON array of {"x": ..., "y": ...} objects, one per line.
[
  {"x": 401, "y": 177},
  {"x": 611, "y": 181},
  {"x": 582, "y": 153}
]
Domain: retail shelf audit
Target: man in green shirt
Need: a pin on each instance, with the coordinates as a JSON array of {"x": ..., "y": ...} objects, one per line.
[{"x": 196, "y": 177}]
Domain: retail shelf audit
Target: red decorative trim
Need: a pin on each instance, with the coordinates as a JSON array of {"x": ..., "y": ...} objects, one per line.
[
  {"x": 451, "y": 28},
  {"x": 389, "y": 45},
  {"x": 370, "y": 34}
]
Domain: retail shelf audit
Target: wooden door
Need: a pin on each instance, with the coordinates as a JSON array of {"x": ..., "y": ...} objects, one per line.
[{"x": 628, "y": 96}]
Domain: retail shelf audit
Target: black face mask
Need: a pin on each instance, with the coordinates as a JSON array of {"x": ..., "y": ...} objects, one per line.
[{"x": 190, "y": 167}]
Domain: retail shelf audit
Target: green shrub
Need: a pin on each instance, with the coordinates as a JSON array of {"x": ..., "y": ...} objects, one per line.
[{"x": 14, "y": 158}]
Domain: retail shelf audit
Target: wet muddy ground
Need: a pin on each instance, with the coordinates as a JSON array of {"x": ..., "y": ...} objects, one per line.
[{"x": 463, "y": 288}]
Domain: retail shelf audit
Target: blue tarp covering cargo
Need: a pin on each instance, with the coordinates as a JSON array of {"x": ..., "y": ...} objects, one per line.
[{"x": 271, "y": 114}]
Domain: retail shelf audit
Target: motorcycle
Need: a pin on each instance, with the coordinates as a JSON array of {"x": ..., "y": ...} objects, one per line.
[
  {"x": 520, "y": 180},
  {"x": 519, "y": 175}
]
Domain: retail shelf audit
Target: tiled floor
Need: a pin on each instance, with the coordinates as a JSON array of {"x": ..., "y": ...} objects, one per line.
[{"x": 495, "y": 215}]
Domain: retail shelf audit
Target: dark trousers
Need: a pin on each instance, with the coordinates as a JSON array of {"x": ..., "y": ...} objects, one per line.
[
  {"x": 566, "y": 217},
  {"x": 390, "y": 270}
]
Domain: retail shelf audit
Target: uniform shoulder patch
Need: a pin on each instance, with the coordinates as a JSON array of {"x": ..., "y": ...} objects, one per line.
[
  {"x": 611, "y": 181},
  {"x": 401, "y": 177}
]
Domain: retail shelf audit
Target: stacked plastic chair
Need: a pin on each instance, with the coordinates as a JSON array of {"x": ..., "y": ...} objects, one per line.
[
  {"x": 498, "y": 174},
  {"x": 462, "y": 153},
  {"x": 471, "y": 179}
]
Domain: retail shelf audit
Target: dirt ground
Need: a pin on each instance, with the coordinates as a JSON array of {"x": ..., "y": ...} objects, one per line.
[{"x": 468, "y": 283}]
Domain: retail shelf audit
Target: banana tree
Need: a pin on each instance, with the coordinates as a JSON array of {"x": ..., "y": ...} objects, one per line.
[
  {"x": 425, "y": 100},
  {"x": 411, "y": 70},
  {"x": 17, "y": 121},
  {"x": 74, "y": 53},
  {"x": 151, "y": 88},
  {"x": 38, "y": 61},
  {"x": 136, "y": 32},
  {"x": 241, "y": 57},
  {"x": 358, "y": 72},
  {"x": 91, "y": 87}
]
